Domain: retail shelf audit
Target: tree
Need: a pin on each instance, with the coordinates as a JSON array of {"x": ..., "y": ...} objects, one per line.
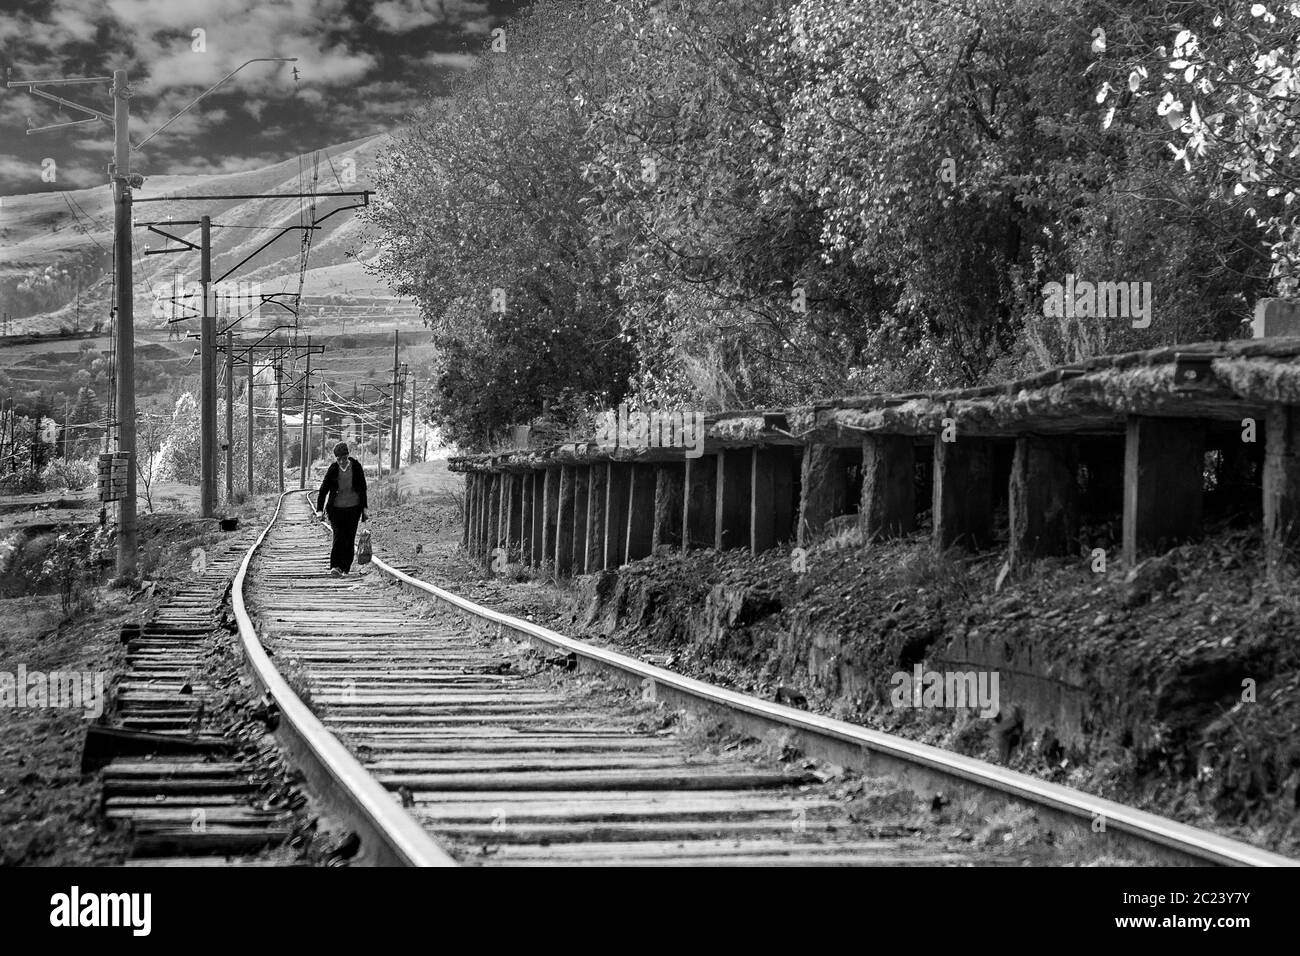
[
  {"x": 1216, "y": 87},
  {"x": 156, "y": 434},
  {"x": 482, "y": 210},
  {"x": 178, "y": 452},
  {"x": 724, "y": 203}
]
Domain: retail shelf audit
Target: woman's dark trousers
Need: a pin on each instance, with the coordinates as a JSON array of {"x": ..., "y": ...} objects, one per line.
[{"x": 344, "y": 521}]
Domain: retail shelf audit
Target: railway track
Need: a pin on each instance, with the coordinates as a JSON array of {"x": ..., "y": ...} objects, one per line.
[
  {"x": 441, "y": 743},
  {"x": 189, "y": 792}
]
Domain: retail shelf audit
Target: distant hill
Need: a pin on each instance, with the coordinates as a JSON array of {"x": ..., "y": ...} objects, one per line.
[{"x": 55, "y": 247}]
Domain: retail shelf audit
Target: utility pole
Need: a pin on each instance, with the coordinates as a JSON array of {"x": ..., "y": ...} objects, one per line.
[
  {"x": 230, "y": 417},
  {"x": 279, "y": 428},
  {"x": 207, "y": 379},
  {"x": 249, "y": 449},
  {"x": 394, "y": 450},
  {"x": 150, "y": 451},
  {"x": 66, "y": 432},
  {"x": 304, "y": 442},
  {"x": 401, "y": 413},
  {"x": 412, "y": 457},
  {"x": 125, "y": 326}
]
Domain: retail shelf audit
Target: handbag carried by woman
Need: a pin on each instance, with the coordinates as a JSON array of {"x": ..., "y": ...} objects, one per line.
[{"x": 363, "y": 545}]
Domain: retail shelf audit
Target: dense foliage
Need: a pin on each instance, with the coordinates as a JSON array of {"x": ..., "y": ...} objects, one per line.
[{"x": 720, "y": 203}]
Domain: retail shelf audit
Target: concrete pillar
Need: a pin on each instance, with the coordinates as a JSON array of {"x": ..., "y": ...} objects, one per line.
[
  {"x": 581, "y": 483},
  {"x": 962, "y": 497},
  {"x": 503, "y": 508},
  {"x": 551, "y": 502},
  {"x": 515, "y": 543},
  {"x": 1043, "y": 507},
  {"x": 538, "y": 553},
  {"x": 825, "y": 490},
  {"x": 1164, "y": 459},
  {"x": 564, "y": 524},
  {"x": 699, "y": 505},
  {"x": 471, "y": 493},
  {"x": 640, "y": 511},
  {"x": 507, "y": 522},
  {"x": 670, "y": 479},
  {"x": 494, "y": 514},
  {"x": 617, "y": 490},
  {"x": 733, "y": 493},
  {"x": 772, "y": 503},
  {"x": 481, "y": 515},
  {"x": 468, "y": 496},
  {"x": 1281, "y": 485},
  {"x": 526, "y": 518},
  {"x": 888, "y": 507},
  {"x": 597, "y": 483}
]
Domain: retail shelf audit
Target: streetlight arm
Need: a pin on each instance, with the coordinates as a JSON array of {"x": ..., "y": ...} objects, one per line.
[{"x": 260, "y": 59}]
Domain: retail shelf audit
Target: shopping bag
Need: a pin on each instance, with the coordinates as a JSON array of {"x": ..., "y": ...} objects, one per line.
[{"x": 363, "y": 546}]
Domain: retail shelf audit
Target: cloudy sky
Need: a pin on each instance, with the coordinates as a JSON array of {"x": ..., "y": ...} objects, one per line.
[{"x": 362, "y": 65}]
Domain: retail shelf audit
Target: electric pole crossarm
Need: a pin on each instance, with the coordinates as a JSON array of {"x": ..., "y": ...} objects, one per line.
[
  {"x": 62, "y": 81},
  {"x": 45, "y": 129},
  {"x": 358, "y": 205},
  {"x": 153, "y": 227},
  {"x": 71, "y": 105},
  {"x": 221, "y": 198}
]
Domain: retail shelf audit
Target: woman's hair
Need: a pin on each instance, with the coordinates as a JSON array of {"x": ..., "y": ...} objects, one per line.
[{"x": 340, "y": 449}]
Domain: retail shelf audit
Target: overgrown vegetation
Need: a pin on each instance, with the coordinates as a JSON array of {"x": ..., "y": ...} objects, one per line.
[{"x": 725, "y": 203}]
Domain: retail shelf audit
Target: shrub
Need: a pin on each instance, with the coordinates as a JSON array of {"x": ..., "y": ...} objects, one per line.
[
  {"x": 73, "y": 553},
  {"x": 72, "y": 475}
]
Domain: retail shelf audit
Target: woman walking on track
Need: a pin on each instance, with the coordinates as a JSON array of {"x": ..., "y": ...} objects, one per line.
[{"x": 345, "y": 484}]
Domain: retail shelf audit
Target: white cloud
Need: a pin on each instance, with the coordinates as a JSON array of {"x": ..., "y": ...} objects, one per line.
[
  {"x": 398, "y": 16},
  {"x": 455, "y": 61}
]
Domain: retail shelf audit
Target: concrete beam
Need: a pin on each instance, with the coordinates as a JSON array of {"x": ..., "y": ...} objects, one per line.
[
  {"x": 1043, "y": 508},
  {"x": 888, "y": 507},
  {"x": 1164, "y": 461}
]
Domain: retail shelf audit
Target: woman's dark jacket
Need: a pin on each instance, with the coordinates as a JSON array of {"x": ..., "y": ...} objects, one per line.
[{"x": 330, "y": 485}]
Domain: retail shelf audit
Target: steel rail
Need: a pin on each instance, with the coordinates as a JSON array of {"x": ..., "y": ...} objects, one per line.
[
  {"x": 881, "y": 750},
  {"x": 389, "y": 836}
]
